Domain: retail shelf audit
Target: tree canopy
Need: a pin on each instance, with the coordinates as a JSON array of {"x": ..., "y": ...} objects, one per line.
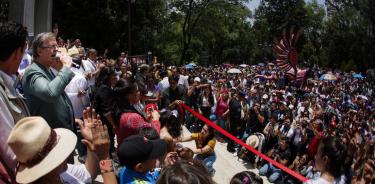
[{"x": 339, "y": 34}]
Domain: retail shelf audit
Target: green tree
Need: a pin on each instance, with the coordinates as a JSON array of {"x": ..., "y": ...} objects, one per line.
[
  {"x": 313, "y": 30},
  {"x": 275, "y": 16},
  {"x": 349, "y": 33},
  {"x": 97, "y": 23},
  {"x": 339, "y": 34},
  {"x": 227, "y": 32},
  {"x": 191, "y": 12}
]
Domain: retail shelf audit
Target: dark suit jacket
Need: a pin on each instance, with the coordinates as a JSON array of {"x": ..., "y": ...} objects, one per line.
[{"x": 45, "y": 95}]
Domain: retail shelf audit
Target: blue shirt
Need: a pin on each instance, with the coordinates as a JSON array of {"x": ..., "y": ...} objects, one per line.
[{"x": 128, "y": 176}]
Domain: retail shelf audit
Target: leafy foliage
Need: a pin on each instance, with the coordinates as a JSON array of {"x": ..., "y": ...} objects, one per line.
[{"x": 338, "y": 34}]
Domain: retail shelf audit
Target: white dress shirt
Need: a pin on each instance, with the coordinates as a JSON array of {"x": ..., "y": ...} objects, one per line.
[
  {"x": 89, "y": 67},
  {"x": 78, "y": 83},
  {"x": 163, "y": 84}
]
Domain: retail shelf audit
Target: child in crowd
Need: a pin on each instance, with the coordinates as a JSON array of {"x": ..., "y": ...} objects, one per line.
[
  {"x": 139, "y": 155},
  {"x": 246, "y": 177},
  {"x": 184, "y": 172}
]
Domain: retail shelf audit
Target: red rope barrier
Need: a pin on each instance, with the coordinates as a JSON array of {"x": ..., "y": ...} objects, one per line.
[{"x": 238, "y": 141}]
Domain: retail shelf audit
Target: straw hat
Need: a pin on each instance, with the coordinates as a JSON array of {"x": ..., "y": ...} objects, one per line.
[
  {"x": 253, "y": 141},
  {"x": 73, "y": 51},
  {"x": 38, "y": 148}
]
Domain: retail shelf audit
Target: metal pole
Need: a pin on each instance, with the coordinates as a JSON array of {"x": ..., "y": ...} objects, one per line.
[{"x": 129, "y": 28}]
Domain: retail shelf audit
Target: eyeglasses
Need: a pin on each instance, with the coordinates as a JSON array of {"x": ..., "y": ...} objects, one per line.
[{"x": 49, "y": 46}]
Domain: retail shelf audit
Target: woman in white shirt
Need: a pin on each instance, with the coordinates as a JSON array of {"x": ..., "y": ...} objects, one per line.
[{"x": 331, "y": 161}]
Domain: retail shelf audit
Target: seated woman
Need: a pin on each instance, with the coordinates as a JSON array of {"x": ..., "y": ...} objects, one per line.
[
  {"x": 129, "y": 120},
  {"x": 205, "y": 146},
  {"x": 170, "y": 128}
]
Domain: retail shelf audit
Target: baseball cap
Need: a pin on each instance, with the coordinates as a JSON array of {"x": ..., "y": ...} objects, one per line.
[
  {"x": 137, "y": 149},
  {"x": 163, "y": 73}
]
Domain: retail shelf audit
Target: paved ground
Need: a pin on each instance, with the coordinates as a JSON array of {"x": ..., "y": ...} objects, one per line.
[{"x": 226, "y": 165}]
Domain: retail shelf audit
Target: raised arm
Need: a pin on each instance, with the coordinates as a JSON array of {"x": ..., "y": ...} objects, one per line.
[
  {"x": 47, "y": 90},
  {"x": 184, "y": 139},
  {"x": 204, "y": 150},
  {"x": 96, "y": 139}
]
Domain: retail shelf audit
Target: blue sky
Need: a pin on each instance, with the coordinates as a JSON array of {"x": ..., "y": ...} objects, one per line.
[{"x": 255, "y": 3}]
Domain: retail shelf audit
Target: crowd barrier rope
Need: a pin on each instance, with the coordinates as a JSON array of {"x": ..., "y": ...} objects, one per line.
[{"x": 238, "y": 141}]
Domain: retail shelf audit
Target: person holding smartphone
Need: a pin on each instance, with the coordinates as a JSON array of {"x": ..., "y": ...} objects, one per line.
[{"x": 127, "y": 118}]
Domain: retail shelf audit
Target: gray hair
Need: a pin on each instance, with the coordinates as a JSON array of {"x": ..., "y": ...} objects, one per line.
[
  {"x": 91, "y": 51},
  {"x": 39, "y": 40}
]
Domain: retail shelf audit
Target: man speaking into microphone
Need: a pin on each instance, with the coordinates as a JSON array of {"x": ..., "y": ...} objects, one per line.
[{"x": 44, "y": 90}]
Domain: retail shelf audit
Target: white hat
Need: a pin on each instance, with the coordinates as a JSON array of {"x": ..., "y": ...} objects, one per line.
[
  {"x": 148, "y": 94},
  {"x": 265, "y": 96},
  {"x": 253, "y": 141},
  {"x": 197, "y": 79},
  {"x": 38, "y": 148}
]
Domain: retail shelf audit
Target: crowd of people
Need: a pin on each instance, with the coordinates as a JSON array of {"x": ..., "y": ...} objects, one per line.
[{"x": 125, "y": 118}]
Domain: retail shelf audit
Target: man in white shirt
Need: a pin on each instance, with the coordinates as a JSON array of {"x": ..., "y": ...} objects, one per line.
[
  {"x": 90, "y": 66},
  {"x": 164, "y": 83},
  {"x": 183, "y": 79},
  {"x": 91, "y": 69},
  {"x": 13, "y": 44}
]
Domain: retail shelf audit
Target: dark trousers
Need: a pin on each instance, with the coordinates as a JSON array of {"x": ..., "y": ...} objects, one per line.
[
  {"x": 234, "y": 130},
  {"x": 206, "y": 112},
  {"x": 111, "y": 133},
  {"x": 111, "y": 137}
]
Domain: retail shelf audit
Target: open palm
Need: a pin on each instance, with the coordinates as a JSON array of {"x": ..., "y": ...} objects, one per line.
[{"x": 90, "y": 120}]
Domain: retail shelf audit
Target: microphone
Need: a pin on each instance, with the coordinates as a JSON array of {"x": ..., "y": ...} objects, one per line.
[{"x": 57, "y": 57}]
